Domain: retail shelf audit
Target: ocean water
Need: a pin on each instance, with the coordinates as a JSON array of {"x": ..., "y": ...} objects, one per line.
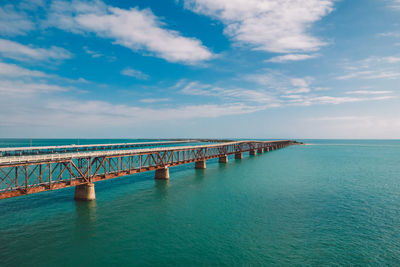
[{"x": 332, "y": 202}]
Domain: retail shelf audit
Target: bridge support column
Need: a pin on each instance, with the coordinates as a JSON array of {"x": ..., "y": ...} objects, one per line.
[
  {"x": 238, "y": 155},
  {"x": 260, "y": 150},
  {"x": 162, "y": 174},
  {"x": 85, "y": 192},
  {"x": 253, "y": 152},
  {"x": 223, "y": 159},
  {"x": 200, "y": 164}
]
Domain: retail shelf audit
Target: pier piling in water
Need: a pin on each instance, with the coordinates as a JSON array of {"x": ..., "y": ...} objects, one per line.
[
  {"x": 223, "y": 159},
  {"x": 201, "y": 164},
  {"x": 85, "y": 192},
  {"x": 162, "y": 174},
  {"x": 238, "y": 155},
  {"x": 81, "y": 166}
]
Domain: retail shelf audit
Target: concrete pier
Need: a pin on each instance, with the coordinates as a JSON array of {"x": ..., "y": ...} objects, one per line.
[
  {"x": 253, "y": 152},
  {"x": 56, "y": 167},
  {"x": 238, "y": 155},
  {"x": 223, "y": 159},
  {"x": 85, "y": 192},
  {"x": 260, "y": 150},
  {"x": 162, "y": 174},
  {"x": 200, "y": 164}
]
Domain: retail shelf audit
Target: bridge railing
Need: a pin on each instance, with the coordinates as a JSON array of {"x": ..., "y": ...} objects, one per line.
[{"x": 30, "y": 174}]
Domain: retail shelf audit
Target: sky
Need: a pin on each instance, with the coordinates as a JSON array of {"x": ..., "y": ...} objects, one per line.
[{"x": 200, "y": 68}]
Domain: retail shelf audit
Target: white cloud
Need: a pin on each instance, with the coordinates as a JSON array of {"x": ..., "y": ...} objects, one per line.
[
  {"x": 236, "y": 94},
  {"x": 21, "y": 82},
  {"x": 291, "y": 57},
  {"x": 395, "y": 4},
  {"x": 274, "y": 89},
  {"x": 335, "y": 100},
  {"x": 135, "y": 73},
  {"x": 392, "y": 59},
  {"x": 121, "y": 113},
  {"x": 341, "y": 100},
  {"x": 138, "y": 30},
  {"x": 22, "y": 52},
  {"x": 94, "y": 54},
  {"x": 389, "y": 34},
  {"x": 154, "y": 100},
  {"x": 269, "y": 25},
  {"x": 341, "y": 118},
  {"x": 13, "y": 22},
  {"x": 374, "y": 67},
  {"x": 32, "y": 5},
  {"x": 14, "y": 71},
  {"x": 378, "y": 74},
  {"x": 366, "y": 92},
  {"x": 83, "y": 114},
  {"x": 26, "y": 89},
  {"x": 280, "y": 82}
]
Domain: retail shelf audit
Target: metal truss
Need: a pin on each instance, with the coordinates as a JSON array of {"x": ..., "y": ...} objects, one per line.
[{"x": 26, "y": 175}]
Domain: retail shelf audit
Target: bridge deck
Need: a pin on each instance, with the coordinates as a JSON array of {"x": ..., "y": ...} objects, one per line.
[
  {"x": 67, "y": 156},
  {"x": 18, "y": 151},
  {"x": 21, "y": 175}
]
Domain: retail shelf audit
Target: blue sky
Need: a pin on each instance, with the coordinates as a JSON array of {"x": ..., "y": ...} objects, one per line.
[{"x": 200, "y": 68}]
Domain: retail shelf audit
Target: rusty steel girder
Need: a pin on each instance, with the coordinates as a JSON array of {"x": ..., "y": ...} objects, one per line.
[{"x": 26, "y": 175}]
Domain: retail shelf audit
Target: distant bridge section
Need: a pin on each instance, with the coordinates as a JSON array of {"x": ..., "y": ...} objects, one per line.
[
  {"x": 37, "y": 150},
  {"x": 81, "y": 166}
]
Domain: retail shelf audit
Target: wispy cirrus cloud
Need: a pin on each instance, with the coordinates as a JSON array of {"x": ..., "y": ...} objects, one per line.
[
  {"x": 136, "y": 29},
  {"x": 274, "y": 25},
  {"x": 280, "y": 82},
  {"x": 92, "y": 53},
  {"x": 121, "y": 112},
  {"x": 336, "y": 100},
  {"x": 368, "y": 92},
  {"x": 273, "y": 89},
  {"x": 15, "y": 71},
  {"x": 135, "y": 74},
  {"x": 17, "y": 51},
  {"x": 386, "y": 67},
  {"x": 24, "y": 89},
  {"x": 369, "y": 75},
  {"x": 14, "y": 22},
  {"x": 291, "y": 57},
  {"x": 154, "y": 100},
  {"x": 390, "y": 34},
  {"x": 196, "y": 88},
  {"x": 395, "y": 4},
  {"x": 55, "y": 113},
  {"x": 20, "y": 82}
]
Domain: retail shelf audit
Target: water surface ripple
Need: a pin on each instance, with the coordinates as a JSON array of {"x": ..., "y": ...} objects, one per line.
[{"x": 337, "y": 202}]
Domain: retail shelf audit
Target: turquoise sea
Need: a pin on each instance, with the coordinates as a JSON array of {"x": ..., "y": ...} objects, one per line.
[{"x": 331, "y": 202}]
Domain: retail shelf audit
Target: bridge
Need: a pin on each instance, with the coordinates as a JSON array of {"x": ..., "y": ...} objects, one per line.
[{"x": 27, "y": 170}]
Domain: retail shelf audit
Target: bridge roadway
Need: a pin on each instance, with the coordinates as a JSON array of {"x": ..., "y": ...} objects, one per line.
[
  {"x": 21, "y": 175},
  {"x": 35, "y": 150}
]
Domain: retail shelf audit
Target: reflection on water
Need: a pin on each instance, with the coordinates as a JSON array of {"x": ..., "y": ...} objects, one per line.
[
  {"x": 303, "y": 205},
  {"x": 200, "y": 175},
  {"x": 85, "y": 218},
  {"x": 161, "y": 187}
]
